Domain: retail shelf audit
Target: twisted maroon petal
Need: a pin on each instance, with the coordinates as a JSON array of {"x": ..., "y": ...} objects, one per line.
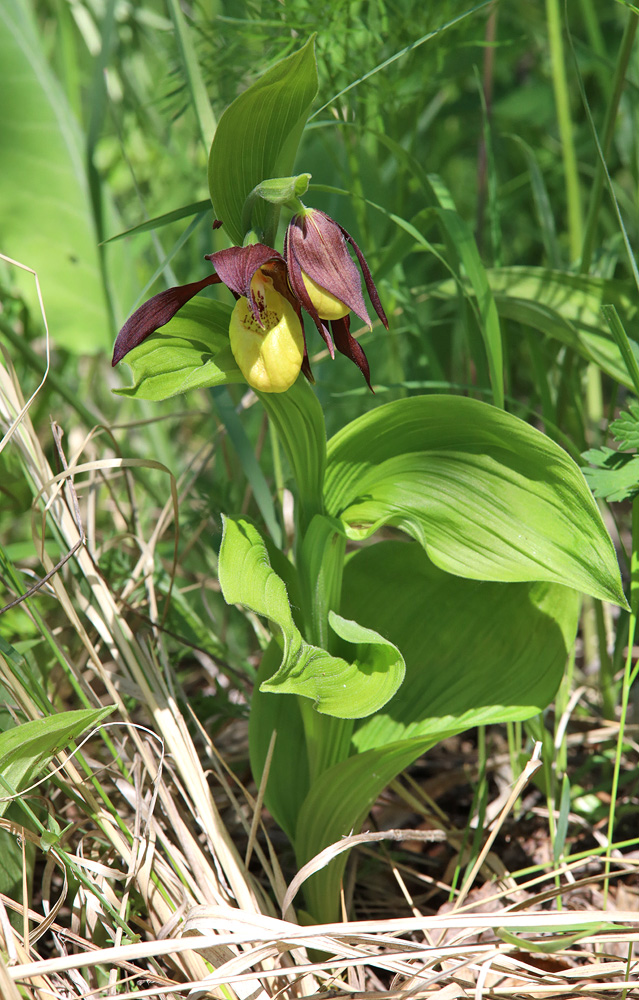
[
  {"x": 237, "y": 265},
  {"x": 368, "y": 278},
  {"x": 346, "y": 344},
  {"x": 155, "y": 313},
  {"x": 319, "y": 246}
]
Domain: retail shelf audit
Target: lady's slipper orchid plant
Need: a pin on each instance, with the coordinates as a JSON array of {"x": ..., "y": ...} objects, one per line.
[{"x": 266, "y": 330}]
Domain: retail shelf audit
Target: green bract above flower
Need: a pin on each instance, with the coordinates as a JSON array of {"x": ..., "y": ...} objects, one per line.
[
  {"x": 326, "y": 280},
  {"x": 266, "y": 332}
]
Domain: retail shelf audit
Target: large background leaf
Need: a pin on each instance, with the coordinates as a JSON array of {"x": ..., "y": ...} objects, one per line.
[
  {"x": 561, "y": 305},
  {"x": 487, "y": 495},
  {"x": 45, "y": 214},
  {"x": 475, "y": 653},
  {"x": 257, "y": 138}
]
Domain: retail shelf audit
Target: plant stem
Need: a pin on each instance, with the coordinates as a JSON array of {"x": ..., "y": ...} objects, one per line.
[
  {"x": 562, "y": 101},
  {"x": 320, "y": 564}
]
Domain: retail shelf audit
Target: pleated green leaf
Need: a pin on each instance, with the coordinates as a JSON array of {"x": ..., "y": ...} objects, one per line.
[
  {"x": 257, "y": 139},
  {"x": 487, "y": 495},
  {"x": 338, "y": 687},
  {"x": 191, "y": 352},
  {"x": 475, "y": 653}
]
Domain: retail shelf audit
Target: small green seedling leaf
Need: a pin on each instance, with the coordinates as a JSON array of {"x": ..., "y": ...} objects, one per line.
[
  {"x": 615, "y": 475},
  {"x": 625, "y": 429},
  {"x": 25, "y": 750},
  {"x": 257, "y": 138},
  {"x": 337, "y": 687}
]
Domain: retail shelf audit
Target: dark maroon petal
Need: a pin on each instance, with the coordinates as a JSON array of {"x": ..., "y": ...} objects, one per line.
[
  {"x": 320, "y": 249},
  {"x": 237, "y": 265},
  {"x": 306, "y": 368},
  {"x": 368, "y": 278},
  {"x": 155, "y": 313},
  {"x": 346, "y": 344},
  {"x": 299, "y": 289}
]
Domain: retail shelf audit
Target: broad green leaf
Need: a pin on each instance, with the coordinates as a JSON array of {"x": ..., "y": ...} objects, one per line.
[
  {"x": 337, "y": 687},
  {"x": 26, "y": 749},
  {"x": 487, "y": 495},
  {"x": 45, "y": 214},
  {"x": 564, "y": 306},
  {"x": 191, "y": 352},
  {"x": 257, "y": 139},
  {"x": 476, "y": 653},
  {"x": 336, "y": 805}
]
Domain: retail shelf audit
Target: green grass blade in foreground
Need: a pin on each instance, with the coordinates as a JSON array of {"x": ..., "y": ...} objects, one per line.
[
  {"x": 41, "y": 163},
  {"x": 475, "y": 653},
  {"x": 27, "y": 749},
  {"x": 545, "y": 217},
  {"x": 623, "y": 343},
  {"x": 257, "y": 138},
  {"x": 339, "y": 688},
  {"x": 190, "y": 352},
  {"x": 487, "y": 495}
]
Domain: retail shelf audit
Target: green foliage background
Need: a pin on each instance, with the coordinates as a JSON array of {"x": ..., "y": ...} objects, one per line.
[{"x": 462, "y": 147}]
